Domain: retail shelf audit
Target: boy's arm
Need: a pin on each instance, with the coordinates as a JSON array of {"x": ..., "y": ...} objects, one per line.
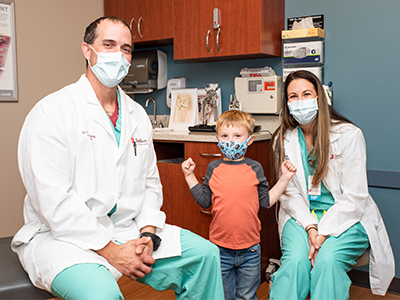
[
  {"x": 263, "y": 195},
  {"x": 188, "y": 170},
  {"x": 287, "y": 170},
  {"x": 202, "y": 195}
]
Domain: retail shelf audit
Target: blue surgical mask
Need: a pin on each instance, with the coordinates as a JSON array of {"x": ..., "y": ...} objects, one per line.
[
  {"x": 304, "y": 111},
  {"x": 111, "y": 67},
  {"x": 233, "y": 150}
]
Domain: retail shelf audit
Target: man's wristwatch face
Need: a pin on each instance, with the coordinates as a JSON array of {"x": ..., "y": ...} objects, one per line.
[{"x": 155, "y": 238}]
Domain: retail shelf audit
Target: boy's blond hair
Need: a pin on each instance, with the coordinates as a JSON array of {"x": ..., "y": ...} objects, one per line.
[{"x": 235, "y": 118}]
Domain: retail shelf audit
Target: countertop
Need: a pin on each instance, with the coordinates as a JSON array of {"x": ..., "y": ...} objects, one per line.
[{"x": 268, "y": 126}]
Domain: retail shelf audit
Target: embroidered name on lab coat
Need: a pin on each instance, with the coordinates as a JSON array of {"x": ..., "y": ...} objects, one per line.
[
  {"x": 90, "y": 136},
  {"x": 336, "y": 156},
  {"x": 141, "y": 142}
]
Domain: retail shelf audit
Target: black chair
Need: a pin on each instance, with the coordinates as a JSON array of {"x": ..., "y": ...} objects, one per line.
[{"x": 14, "y": 282}]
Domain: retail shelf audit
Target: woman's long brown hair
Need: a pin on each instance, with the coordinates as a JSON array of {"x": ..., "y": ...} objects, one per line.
[{"x": 325, "y": 118}]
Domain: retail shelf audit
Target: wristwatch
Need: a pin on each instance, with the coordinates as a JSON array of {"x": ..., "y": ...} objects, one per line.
[{"x": 155, "y": 238}]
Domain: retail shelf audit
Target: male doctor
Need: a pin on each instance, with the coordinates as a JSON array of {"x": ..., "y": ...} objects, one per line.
[{"x": 92, "y": 209}]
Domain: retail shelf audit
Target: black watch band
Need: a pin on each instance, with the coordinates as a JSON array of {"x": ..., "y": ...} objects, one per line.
[{"x": 155, "y": 238}]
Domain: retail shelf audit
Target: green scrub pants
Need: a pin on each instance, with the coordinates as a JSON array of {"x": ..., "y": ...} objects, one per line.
[
  {"x": 328, "y": 278},
  {"x": 196, "y": 274}
]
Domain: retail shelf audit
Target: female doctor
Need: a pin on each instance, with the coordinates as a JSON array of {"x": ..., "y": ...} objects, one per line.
[
  {"x": 92, "y": 209},
  {"x": 327, "y": 219}
]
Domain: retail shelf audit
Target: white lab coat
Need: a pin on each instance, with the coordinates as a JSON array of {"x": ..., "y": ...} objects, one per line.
[
  {"x": 75, "y": 173},
  {"x": 347, "y": 181}
]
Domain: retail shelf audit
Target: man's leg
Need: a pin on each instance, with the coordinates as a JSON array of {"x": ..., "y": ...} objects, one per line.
[
  {"x": 196, "y": 274},
  {"x": 86, "y": 281}
]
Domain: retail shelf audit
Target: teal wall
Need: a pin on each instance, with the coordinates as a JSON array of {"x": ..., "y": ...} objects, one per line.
[{"x": 361, "y": 44}]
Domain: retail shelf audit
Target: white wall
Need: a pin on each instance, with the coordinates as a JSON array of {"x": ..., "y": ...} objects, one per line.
[{"x": 49, "y": 34}]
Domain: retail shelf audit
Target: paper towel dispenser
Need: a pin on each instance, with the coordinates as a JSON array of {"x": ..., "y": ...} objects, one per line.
[{"x": 148, "y": 72}]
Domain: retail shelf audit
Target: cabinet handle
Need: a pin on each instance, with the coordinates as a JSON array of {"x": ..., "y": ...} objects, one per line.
[
  {"x": 210, "y": 154},
  {"x": 130, "y": 25},
  {"x": 138, "y": 27},
  {"x": 206, "y": 212},
  {"x": 208, "y": 34},
  {"x": 219, "y": 30}
]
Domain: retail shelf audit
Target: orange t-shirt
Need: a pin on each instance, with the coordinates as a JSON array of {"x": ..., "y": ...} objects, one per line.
[{"x": 236, "y": 190}]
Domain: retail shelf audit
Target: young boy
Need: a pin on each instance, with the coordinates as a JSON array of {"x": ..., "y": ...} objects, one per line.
[{"x": 236, "y": 187}]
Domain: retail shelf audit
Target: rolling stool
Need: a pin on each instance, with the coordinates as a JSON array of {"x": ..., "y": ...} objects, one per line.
[
  {"x": 274, "y": 265},
  {"x": 14, "y": 282}
]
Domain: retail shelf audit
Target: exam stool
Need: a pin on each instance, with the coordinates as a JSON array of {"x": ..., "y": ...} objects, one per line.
[
  {"x": 274, "y": 265},
  {"x": 14, "y": 281}
]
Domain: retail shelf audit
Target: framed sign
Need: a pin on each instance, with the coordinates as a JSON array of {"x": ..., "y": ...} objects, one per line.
[
  {"x": 8, "y": 53},
  {"x": 183, "y": 109}
]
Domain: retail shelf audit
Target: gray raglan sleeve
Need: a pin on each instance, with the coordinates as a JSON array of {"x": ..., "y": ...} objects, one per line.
[
  {"x": 263, "y": 195},
  {"x": 203, "y": 194}
]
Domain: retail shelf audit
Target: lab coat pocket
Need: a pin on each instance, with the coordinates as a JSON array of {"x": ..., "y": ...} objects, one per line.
[{"x": 139, "y": 158}]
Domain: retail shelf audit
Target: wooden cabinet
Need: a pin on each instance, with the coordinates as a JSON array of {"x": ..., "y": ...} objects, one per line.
[
  {"x": 180, "y": 207},
  {"x": 250, "y": 28},
  {"x": 151, "y": 21}
]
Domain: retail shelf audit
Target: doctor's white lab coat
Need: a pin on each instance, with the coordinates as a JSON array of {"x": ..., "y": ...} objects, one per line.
[
  {"x": 347, "y": 181},
  {"x": 75, "y": 173}
]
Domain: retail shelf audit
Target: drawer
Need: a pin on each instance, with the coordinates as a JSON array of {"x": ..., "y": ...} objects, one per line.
[{"x": 202, "y": 153}]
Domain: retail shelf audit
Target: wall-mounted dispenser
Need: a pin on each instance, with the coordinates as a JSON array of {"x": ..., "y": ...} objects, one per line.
[{"x": 148, "y": 72}]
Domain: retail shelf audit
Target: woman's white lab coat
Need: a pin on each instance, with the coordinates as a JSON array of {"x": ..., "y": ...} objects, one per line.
[
  {"x": 347, "y": 181},
  {"x": 75, "y": 173}
]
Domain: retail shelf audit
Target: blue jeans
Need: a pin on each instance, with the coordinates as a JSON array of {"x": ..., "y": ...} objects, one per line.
[{"x": 240, "y": 272}]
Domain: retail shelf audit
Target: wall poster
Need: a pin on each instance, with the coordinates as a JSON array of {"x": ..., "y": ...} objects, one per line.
[
  {"x": 8, "y": 59},
  {"x": 183, "y": 109}
]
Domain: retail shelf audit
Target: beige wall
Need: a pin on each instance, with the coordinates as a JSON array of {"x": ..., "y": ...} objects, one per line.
[{"x": 49, "y": 34}]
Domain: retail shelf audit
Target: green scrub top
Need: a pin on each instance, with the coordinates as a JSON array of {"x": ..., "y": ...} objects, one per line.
[{"x": 326, "y": 200}]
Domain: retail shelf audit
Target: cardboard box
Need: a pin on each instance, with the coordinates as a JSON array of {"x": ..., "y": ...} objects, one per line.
[
  {"x": 307, "y": 52},
  {"x": 303, "y": 33}
]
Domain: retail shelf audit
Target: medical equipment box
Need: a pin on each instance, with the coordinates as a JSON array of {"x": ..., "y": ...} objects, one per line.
[
  {"x": 260, "y": 95},
  {"x": 306, "y": 52}
]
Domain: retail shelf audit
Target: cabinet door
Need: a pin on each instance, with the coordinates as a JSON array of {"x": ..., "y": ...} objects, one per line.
[
  {"x": 155, "y": 20},
  {"x": 127, "y": 10},
  {"x": 150, "y": 20},
  {"x": 120, "y": 9},
  {"x": 240, "y": 31},
  {"x": 192, "y": 25},
  {"x": 250, "y": 27},
  {"x": 174, "y": 193}
]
